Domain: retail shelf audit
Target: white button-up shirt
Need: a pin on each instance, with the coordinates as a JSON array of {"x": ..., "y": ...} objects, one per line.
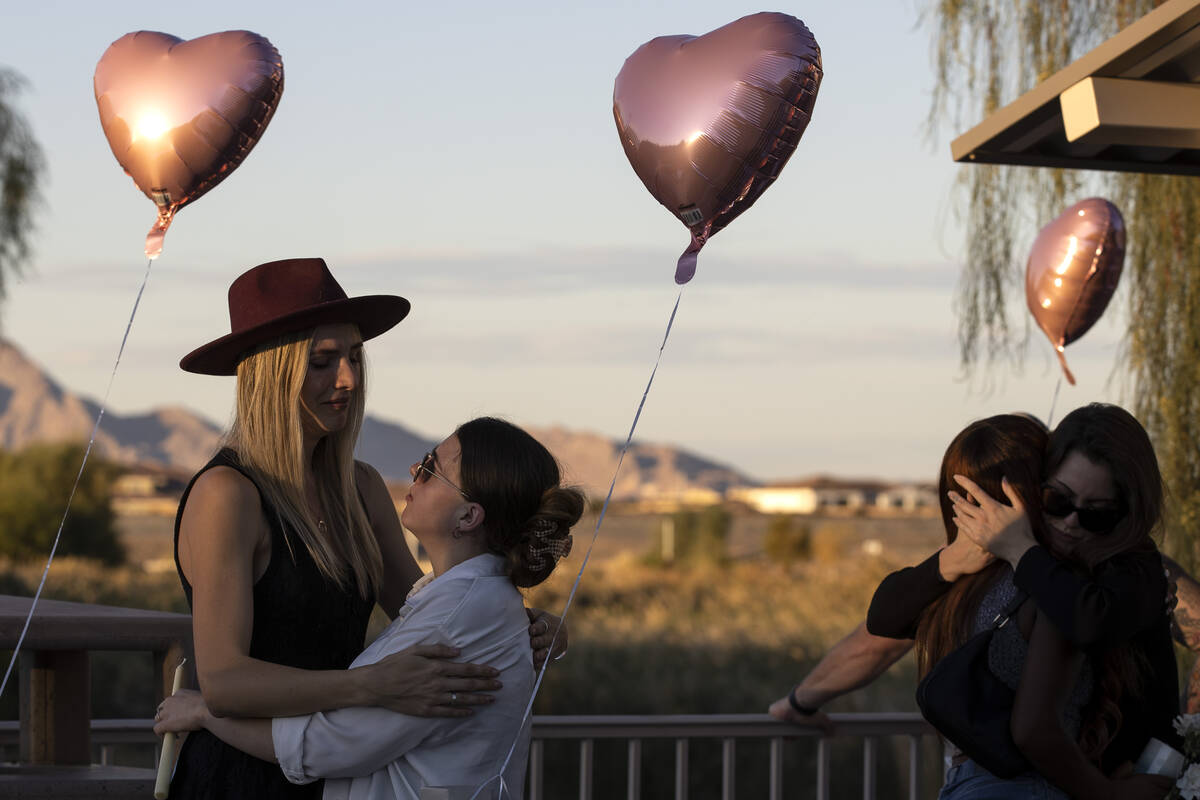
[{"x": 370, "y": 753}]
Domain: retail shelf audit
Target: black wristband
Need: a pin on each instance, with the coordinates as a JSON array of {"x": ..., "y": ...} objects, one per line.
[{"x": 807, "y": 711}]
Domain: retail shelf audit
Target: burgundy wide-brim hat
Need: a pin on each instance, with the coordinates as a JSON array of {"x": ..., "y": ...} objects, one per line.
[{"x": 287, "y": 296}]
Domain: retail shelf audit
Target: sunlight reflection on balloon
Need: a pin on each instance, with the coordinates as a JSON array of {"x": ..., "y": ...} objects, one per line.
[{"x": 150, "y": 126}]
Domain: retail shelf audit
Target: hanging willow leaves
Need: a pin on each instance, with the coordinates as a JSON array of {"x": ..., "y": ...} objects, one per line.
[
  {"x": 21, "y": 170},
  {"x": 987, "y": 53}
]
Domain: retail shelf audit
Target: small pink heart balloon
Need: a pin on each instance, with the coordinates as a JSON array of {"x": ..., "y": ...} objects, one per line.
[
  {"x": 180, "y": 116},
  {"x": 1073, "y": 271},
  {"x": 709, "y": 121}
]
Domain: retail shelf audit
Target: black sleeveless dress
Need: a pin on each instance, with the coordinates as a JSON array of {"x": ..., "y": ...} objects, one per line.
[{"x": 300, "y": 620}]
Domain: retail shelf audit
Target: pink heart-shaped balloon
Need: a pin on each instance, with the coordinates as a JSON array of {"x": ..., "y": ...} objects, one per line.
[
  {"x": 709, "y": 121},
  {"x": 181, "y": 115},
  {"x": 1073, "y": 271}
]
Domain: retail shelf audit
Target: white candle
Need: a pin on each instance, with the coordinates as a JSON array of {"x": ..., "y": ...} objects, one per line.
[{"x": 167, "y": 759}]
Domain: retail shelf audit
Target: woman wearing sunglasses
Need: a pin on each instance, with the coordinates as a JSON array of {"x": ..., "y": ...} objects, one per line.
[
  {"x": 488, "y": 507},
  {"x": 1081, "y": 708},
  {"x": 1097, "y": 581},
  {"x": 284, "y": 543}
]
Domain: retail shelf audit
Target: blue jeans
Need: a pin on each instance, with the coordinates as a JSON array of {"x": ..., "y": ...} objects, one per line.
[{"x": 969, "y": 781}]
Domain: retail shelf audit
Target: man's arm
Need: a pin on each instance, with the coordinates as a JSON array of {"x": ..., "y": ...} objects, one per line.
[{"x": 851, "y": 664}]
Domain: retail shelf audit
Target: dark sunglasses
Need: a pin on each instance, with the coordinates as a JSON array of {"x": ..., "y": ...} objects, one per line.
[
  {"x": 1094, "y": 520},
  {"x": 425, "y": 469}
]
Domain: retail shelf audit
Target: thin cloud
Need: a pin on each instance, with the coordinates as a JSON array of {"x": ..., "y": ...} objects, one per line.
[{"x": 552, "y": 271}]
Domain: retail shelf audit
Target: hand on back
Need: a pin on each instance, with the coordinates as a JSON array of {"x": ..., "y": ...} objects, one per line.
[
  {"x": 545, "y": 629},
  {"x": 423, "y": 682}
]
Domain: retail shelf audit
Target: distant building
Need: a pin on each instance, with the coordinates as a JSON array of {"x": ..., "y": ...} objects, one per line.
[
  {"x": 148, "y": 491},
  {"x": 823, "y": 493},
  {"x": 907, "y": 497},
  {"x": 148, "y": 482},
  {"x": 654, "y": 499}
]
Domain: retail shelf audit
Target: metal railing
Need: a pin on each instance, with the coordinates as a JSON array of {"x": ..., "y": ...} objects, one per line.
[{"x": 728, "y": 729}]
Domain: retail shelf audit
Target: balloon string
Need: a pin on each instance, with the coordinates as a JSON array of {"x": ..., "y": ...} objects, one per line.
[
  {"x": 595, "y": 532},
  {"x": 91, "y": 441},
  {"x": 1053, "y": 403}
]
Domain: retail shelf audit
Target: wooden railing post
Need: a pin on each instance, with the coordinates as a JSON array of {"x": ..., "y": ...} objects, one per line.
[{"x": 56, "y": 707}]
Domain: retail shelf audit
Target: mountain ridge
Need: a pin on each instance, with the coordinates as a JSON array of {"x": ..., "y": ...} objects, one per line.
[{"x": 34, "y": 407}]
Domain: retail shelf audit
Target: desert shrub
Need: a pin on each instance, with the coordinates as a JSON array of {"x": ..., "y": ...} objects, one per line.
[
  {"x": 35, "y": 484},
  {"x": 701, "y": 537},
  {"x": 828, "y": 543},
  {"x": 787, "y": 540}
]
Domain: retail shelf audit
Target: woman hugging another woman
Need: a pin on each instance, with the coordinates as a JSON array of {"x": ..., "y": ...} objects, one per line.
[
  {"x": 284, "y": 545},
  {"x": 1089, "y": 656},
  {"x": 488, "y": 508}
]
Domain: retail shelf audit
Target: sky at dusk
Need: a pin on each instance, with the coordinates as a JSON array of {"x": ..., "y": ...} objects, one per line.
[{"x": 464, "y": 155}]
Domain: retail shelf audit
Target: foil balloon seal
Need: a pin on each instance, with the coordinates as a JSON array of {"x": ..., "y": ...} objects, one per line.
[
  {"x": 158, "y": 232},
  {"x": 685, "y": 269},
  {"x": 1062, "y": 360}
]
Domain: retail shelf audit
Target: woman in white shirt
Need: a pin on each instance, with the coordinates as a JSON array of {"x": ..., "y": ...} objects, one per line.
[{"x": 489, "y": 509}]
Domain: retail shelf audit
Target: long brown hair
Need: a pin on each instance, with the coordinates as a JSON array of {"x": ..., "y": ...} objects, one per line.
[
  {"x": 1110, "y": 436},
  {"x": 1004, "y": 446}
]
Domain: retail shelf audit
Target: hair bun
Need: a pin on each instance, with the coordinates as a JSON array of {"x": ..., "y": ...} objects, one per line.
[{"x": 546, "y": 536}]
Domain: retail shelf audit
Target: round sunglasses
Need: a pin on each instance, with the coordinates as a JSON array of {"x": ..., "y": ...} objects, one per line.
[
  {"x": 425, "y": 469},
  {"x": 1056, "y": 503}
]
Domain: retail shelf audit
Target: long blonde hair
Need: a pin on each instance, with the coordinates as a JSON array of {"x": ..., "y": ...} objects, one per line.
[{"x": 268, "y": 436}]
